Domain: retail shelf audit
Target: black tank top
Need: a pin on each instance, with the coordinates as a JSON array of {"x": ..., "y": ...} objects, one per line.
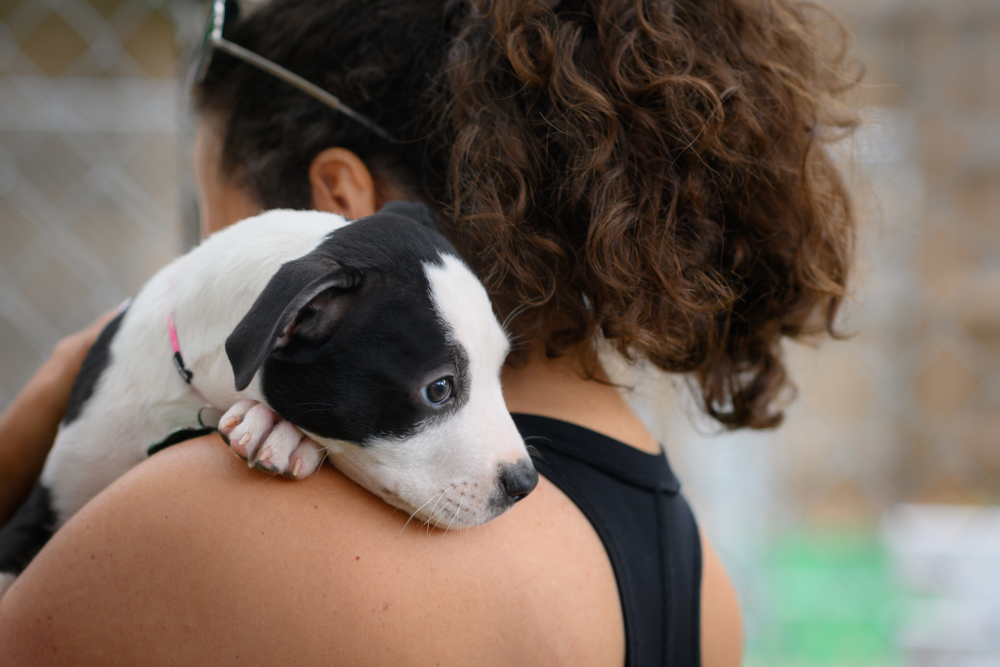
[{"x": 633, "y": 501}]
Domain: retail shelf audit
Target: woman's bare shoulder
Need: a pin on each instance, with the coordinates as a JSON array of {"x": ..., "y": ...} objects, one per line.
[{"x": 192, "y": 558}]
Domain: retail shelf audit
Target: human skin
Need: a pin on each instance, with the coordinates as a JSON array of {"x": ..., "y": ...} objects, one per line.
[{"x": 191, "y": 558}]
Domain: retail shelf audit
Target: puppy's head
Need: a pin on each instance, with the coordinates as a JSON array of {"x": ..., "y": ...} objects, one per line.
[{"x": 382, "y": 345}]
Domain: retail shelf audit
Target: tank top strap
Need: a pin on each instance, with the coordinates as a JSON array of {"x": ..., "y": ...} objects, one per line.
[{"x": 633, "y": 501}]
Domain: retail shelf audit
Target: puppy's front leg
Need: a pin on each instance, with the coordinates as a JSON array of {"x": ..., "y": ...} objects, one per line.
[{"x": 259, "y": 436}]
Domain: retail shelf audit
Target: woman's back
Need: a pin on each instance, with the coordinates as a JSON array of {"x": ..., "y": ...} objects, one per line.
[
  {"x": 318, "y": 572},
  {"x": 322, "y": 572}
]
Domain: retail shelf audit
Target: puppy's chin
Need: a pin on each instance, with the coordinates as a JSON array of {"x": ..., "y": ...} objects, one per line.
[
  {"x": 454, "y": 503},
  {"x": 446, "y": 514}
]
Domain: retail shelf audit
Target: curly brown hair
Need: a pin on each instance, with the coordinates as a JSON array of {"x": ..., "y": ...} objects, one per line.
[
  {"x": 651, "y": 171},
  {"x": 655, "y": 172}
]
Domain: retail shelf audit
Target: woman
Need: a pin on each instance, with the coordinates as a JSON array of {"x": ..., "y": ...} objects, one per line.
[{"x": 649, "y": 173}]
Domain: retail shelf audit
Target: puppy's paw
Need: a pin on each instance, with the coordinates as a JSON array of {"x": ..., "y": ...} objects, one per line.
[
  {"x": 245, "y": 426},
  {"x": 287, "y": 451},
  {"x": 260, "y": 437}
]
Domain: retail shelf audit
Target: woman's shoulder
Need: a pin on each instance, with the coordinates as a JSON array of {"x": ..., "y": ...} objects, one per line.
[{"x": 191, "y": 557}]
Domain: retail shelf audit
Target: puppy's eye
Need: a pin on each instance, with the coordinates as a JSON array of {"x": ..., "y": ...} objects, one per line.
[{"x": 437, "y": 392}]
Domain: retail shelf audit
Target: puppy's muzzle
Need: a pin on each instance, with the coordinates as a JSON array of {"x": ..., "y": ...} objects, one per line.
[{"x": 517, "y": 480}]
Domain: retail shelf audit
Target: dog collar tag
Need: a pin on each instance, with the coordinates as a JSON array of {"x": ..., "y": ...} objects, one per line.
[
  {"x": 185, "y": 374},
  {"x": 182, "y": 370}
]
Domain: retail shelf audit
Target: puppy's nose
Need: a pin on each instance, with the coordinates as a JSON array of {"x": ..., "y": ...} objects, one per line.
[{"x": 518, "y": 479}]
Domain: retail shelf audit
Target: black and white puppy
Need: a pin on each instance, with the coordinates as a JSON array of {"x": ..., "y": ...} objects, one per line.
[{"x": 371, "y": 337}]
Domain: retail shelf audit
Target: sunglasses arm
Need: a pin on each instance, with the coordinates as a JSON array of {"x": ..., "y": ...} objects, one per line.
[{"x": 280, "y": 72}]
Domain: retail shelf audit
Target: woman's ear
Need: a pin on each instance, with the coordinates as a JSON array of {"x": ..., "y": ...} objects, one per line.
[{"x": 341, "y": 183}]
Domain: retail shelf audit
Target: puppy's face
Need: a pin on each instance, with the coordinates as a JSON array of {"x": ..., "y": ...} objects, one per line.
[
  {"x": 383, "y": 346},
  {"x": 461, "y": 461}
]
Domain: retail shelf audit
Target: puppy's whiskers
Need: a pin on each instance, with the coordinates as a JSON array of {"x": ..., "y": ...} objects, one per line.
[
  {"x": 454, "y": 517},
  {"x": 301, "y": 410},
  {"x": 434, "y": 510},
  {"x": 514, "y": 313},
  {"x": 532, "y": 450},
  {"x": 414, "y": 513},
  {"x": 516, "y": 342}
]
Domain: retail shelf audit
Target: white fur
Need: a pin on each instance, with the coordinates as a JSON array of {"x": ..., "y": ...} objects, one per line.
[{"x": 140, "y": 397}]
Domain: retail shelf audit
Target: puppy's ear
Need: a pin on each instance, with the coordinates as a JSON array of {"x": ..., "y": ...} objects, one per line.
[
  {"x": 413, "y": 211},
  {"x": 301, "y": 306}
]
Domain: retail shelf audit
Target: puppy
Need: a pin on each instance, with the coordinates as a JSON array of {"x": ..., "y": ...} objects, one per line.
[{"x": 372, "y": 337}]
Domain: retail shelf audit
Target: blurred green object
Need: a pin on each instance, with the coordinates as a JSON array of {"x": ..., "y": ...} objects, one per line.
[{"x": 829, "y": 599}]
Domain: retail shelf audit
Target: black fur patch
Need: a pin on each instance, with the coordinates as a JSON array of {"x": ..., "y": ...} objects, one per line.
[
  {"x": 417, "y": 212},
  {"x": 363, "y": 379},
  {"x": 93, "y": 366},
  {"x": 363, "y": 382},
  {"x": 27, "y": 531}
]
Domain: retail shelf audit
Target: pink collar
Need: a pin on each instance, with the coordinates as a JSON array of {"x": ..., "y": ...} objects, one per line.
[{"x": 185, "y": 374}]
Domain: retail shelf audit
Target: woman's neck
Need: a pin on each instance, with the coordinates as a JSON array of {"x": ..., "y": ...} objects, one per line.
[{"x": 557, "y": 388}]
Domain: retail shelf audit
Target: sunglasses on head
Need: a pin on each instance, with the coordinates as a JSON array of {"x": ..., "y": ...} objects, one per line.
[{"x": 213, "y": 39}]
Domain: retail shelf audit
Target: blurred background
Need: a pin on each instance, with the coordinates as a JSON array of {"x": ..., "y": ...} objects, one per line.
[{"x": 863, "y": 532}]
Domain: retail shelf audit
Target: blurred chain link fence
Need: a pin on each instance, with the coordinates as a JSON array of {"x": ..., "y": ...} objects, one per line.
[
  {"x": 93, "y": 185},
  {"x": 910, "y": 408}
]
